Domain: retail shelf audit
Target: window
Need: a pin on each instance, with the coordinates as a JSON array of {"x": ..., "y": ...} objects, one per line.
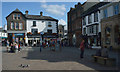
[
  {"x": 84, "y": 31},
  {"x": 116, "y": 9},
  {"x": 34, "y": 31},
  {"x": 12, "y": 25},
  {"x": 49, "y": 31},
  {"x": 107, "y": 35},
  {"x": 20, "y": 26},
  {"x": 89, "y": 19},
  {"x": 49, "y": 24},
  {"x": 42, "y": 21},
  {"x": 84, "y": 21},
  {"x": 105, "y": 13},
  {"x": 16, "y": 25},
  {"x": 92, "y": 29},
  {"x": 15, "y": 16},
  {"x": 34, "y": 23},
  {"x": 18, "y": 16},
  {"x": 96, "y": 17}
]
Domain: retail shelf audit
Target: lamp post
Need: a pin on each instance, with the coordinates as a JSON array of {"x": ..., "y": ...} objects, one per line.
[{"x": 41, "y": 36}]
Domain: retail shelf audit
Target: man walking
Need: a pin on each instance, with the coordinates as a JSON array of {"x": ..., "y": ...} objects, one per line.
[{"x": 82, "y": 46}]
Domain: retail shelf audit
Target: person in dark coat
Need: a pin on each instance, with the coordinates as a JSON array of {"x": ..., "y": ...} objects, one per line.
[{"x": 82, "y": 47}]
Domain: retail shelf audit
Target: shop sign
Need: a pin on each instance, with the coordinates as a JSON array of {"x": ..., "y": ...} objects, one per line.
[{"x": 18, "y": 34}]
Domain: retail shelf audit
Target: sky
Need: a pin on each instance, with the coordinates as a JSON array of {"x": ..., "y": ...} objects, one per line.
[{"x": 57, "y": 10}]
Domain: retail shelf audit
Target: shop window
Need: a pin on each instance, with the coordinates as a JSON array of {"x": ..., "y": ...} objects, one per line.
[
  {"x": 108, "y": 35},
  {"x": 34, "y": 31}
]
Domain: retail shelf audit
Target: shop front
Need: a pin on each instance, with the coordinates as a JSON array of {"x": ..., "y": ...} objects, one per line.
[
  {"x": 16, "y": 37},
  {"x": 110, "y": 34}
]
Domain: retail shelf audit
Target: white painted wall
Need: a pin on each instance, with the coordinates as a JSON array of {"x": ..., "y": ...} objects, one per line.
[
  {"x": 3, "y": 34},
  {"x": 85, "y": 26},
  {"x": 42, "y": 27}
]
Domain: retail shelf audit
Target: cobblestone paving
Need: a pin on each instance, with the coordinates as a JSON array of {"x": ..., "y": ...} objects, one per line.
[{"x": 67, "y": 59}]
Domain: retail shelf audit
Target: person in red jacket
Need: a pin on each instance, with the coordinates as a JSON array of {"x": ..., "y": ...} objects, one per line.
[{"x": 82, "y": 47}]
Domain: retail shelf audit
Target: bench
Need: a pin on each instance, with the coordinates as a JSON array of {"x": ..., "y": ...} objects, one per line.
[{"x": 104, "y": 61}]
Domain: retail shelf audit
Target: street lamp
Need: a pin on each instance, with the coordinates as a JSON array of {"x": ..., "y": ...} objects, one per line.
[{"x": 41, "y": 37}]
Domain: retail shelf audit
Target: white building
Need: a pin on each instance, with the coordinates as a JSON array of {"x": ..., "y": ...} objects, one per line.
[
  {"x": 91, "y": 26},
  {"x": 37, "y": 24},
  {"x": 3, "y": 34},
  {"x": 30, "y": 28}
]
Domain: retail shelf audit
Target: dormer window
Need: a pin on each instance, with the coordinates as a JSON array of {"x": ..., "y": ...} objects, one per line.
[{"x": 34, "y": 23}]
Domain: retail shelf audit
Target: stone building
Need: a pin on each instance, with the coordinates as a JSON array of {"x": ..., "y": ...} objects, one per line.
[
  {"x": 110, "y": 25},
  {"x": 61, "y": 31},
  {"x": 74, "y": 25},
  {"x": 75, "y": 22}
]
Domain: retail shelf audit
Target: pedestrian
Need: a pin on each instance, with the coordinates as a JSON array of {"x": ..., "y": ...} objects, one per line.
[
  {"x": 19, "y": 47},
  {"x": 16, "y": 47},
  {"x": 60, "y": 44},
  {"x": 7, "y": 45},
  {"x": 82, "y": 47},
  {"x": 104, "y": 52},
  {"x": 12, "y": 48}
]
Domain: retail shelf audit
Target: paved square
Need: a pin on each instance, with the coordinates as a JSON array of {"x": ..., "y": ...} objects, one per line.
[{"x": 67, "y": 59}]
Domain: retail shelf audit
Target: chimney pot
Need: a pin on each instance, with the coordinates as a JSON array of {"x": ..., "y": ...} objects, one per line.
[
  {"x": 41, "y": 13},
  {"x": 26, "y": 12}
]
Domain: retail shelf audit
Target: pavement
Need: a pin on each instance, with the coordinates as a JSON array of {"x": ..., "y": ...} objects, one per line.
[{"x": 67, "y": 59}]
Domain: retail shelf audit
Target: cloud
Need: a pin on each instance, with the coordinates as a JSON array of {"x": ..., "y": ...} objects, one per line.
[
  {"x": 54, "y": 9},
  {"x": 61, "y": 21}
]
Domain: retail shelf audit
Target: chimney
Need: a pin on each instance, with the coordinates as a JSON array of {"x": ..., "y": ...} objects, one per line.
[
  {"x": 26, "y": 12},
  {"x": 41, "y": 13},
  {"x": 75, "y": 6}
]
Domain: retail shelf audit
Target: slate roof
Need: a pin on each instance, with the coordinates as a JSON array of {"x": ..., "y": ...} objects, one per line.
[
  {"x": 94, "y": 8},
  {"x": 16, "y": 10},
  {"x": 34, "y": 17},
  {"x": 38, "y": 17}
]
